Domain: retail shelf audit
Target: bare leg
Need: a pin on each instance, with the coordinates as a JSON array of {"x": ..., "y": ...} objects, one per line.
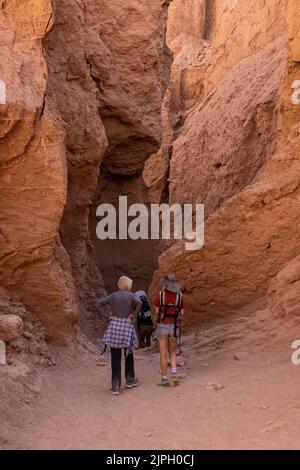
[
  {"x": 163, "y": 349},
  {"x": 172, "y": 352}
]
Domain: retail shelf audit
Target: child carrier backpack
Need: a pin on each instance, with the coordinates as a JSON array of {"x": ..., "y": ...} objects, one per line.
[
  {"x": 163, "y": 309},
  {"x": 145, "y": 304},
  {"x": 145, "y": 309}
]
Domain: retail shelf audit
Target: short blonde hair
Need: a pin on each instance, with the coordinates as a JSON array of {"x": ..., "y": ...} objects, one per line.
[{"x": 125, "y": 283}]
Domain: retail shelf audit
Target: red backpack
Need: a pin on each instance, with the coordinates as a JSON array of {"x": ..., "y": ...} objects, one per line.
[{"x": 163, "y": 308}]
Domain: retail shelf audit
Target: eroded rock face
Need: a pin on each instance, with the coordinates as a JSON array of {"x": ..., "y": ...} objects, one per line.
[
  {"x": 186, "y": 19},
  {"x": 284, "y": 292},
  {"x": 232, "y": 135},
  {"x": 33, "y": 174},
  {"x": 84, "y": 86},
  {"x": 131, "y": 72},
  {"x": 61, "y": 69},
  {"x": 23, "y": 333},
  {"x": 238, "y": 29},
  {"x": 250, "y": 185},
  {"x": 74, "y": 96},
  {"x": 185, "y": 33},
  {"x": 10, "y": 327}
]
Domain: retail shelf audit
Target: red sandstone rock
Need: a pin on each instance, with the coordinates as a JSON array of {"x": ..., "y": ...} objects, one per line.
[
  {"x": 237, "y": 121},
  {"x": 229, "y": 136},
  {"x": 73, "y": 94},
  {"x": 10, "y": 327},
  {"x": 33, "y": 177},
  {"x": 62, "y": 68},
  {"x": 131, "y": 70},
  {"x": 284, "y": 291},
  {"x": 235, "y": 154}
]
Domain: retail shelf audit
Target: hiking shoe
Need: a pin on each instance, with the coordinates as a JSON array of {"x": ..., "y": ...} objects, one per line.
[
  {"x": 114, "y": 391},
  {"x": 164, "y": 382},
  {"x": 132, "y": 383}
]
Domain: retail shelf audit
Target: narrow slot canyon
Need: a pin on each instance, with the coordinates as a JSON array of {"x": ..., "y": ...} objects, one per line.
[{"x": 166, "y": 102}]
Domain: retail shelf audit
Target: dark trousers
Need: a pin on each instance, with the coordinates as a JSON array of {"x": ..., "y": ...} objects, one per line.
[
  {"x": 144, "y": 332},
  {"x": 116, "y": 369}
]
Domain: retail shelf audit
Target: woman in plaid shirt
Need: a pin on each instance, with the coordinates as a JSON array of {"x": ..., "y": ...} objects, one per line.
[{"x": 121, "y": 333}]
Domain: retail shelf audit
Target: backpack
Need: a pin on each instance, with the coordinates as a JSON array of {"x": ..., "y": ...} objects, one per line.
[
  {"x": 145, "y": 307},
  {"x": 145, "y": 312},
  {"x": 163, "y": 305}
]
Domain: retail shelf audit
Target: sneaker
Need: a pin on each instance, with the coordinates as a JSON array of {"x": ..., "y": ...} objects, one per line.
[
  {"x": 133, "y": 383},
  {"x": 164, "y": 382},
  {"x": 114, "y": 391}
]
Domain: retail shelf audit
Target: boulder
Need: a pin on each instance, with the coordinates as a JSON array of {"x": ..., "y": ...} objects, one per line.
[
  {"x": 11, "y": 327},
  {"x": 284, "y": 291}
]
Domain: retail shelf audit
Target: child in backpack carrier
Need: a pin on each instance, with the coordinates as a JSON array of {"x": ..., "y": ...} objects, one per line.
[{"x": 144, "y": 321}]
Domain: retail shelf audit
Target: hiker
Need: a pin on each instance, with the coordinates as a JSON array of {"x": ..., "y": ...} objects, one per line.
[
  {"x": 169, "y": 310},
  {"x": 121, "y": 333},
  {"x": 144, "y": 321}
]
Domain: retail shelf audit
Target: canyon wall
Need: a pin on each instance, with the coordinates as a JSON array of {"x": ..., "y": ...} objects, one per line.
[
  {"x": 94, "y": 106},
  {"x": 33, "y": 173},
  {"x": 78, "y": 85},
  {"x": 132, "y": 74},
  {"x": 74, "y": 97},
  {"x": 237, "y": 150}
]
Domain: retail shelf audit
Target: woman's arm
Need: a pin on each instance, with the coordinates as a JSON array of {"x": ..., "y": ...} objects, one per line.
[
  {"x": 156, "y": 317},
  {"x": 101, "y": 302}
]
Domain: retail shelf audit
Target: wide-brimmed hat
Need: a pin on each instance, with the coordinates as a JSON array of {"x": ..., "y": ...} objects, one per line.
[{"x": 170, "y": 283}]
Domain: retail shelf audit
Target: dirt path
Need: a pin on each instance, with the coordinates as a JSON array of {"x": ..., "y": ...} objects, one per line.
[{"x": 257, "y": 408}]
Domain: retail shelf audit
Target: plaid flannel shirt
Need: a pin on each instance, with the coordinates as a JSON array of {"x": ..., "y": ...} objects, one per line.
[{"x": 120, "y": 334}]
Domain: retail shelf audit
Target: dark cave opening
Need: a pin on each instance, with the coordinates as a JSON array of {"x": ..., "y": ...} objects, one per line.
[{"x": 134, "y": 258}]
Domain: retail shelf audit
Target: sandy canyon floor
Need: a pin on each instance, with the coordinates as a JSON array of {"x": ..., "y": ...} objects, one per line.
[{"x": 229, "y": 397}]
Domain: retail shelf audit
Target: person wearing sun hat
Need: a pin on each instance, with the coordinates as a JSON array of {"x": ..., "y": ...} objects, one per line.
[{"x": 169, "y": 310}]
